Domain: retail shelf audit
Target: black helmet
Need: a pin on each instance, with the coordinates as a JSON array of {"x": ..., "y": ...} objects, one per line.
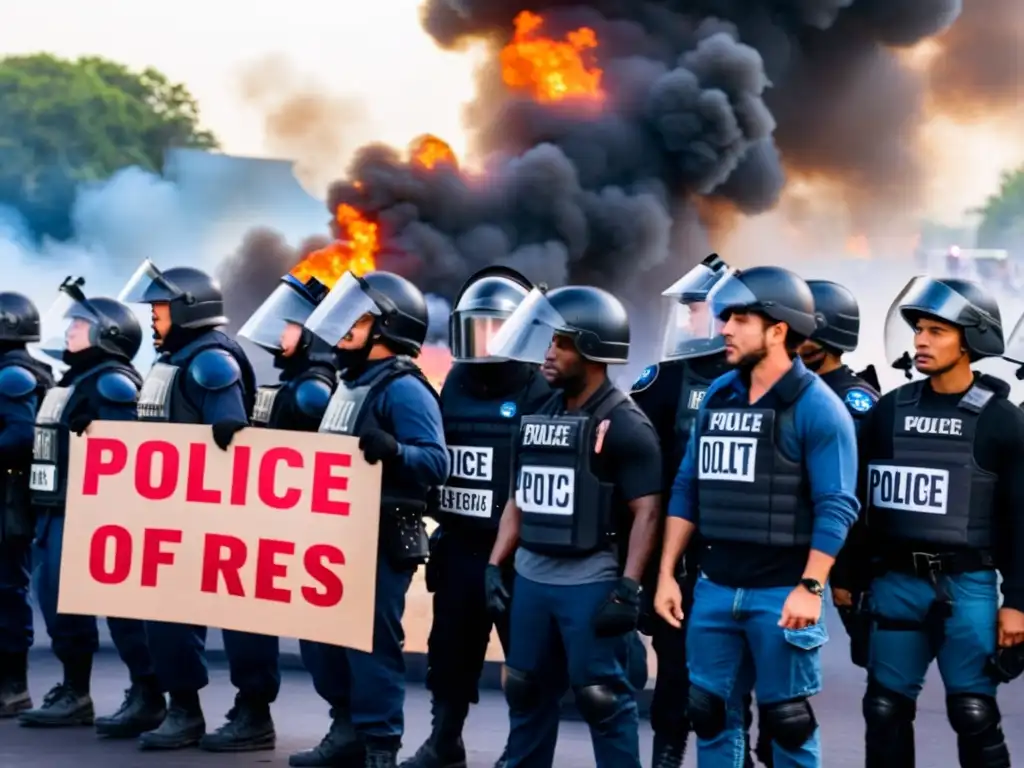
[
  {"x": 692, "y": 330},
  {"x": 195, "y": 298},
  {"x": 19, "y": 318},
  {"x": 837, "y": 307},
  {"x": 596, "y": 321},
  {"x": 291, "y": 303},
  {"x": 399, "y": 307},
  {"x": 113, "y": 327},
  {"x": 483, "y": 304},
  {"x": 774, "y": 292}
]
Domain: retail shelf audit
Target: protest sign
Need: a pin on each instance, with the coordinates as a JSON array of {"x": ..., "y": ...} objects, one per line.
[{"x": 277, "y": 535}]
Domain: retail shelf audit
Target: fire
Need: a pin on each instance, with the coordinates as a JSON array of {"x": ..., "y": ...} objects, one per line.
[
  {"x": 551, "y": 70},
  {"x": 428, "y": 151},
  {"x": 354, "y": 251},
  {"x": 858, "y": 245}
]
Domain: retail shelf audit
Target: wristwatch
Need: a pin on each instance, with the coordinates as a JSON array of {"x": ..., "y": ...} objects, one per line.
[{"x": 813, "y": 586}]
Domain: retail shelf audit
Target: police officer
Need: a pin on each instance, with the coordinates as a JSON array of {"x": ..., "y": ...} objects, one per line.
[
  {"x": 378, "y": 322},
  {"x": 97, "y": 338},
  {"x": 585, "y": 516},
  {"x": 768, "y": 479},
  {"x": 200, "y": 377},
  {"x": 23, "y": 384},
  {"x": 943, "y": 494}
]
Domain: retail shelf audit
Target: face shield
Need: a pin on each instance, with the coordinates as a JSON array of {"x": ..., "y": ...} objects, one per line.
[
  {"x": 68, "y": 323},
  {"x": 278, "y": 320},
  {"x": 1015, "y": 344},
  {"x": 693, "y": 329},
  {"x": 471, "y": 336},
  {"x": 927, "y": 296},
  {"x": 526, "y": 335},
  {"x": 340, "y": 311},
  {"x": 147, "y": 286}
]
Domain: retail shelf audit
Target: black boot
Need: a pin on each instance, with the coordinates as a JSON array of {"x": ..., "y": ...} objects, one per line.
[
  {"x": 340, "y": 747},
  {"x": 444, "y": 747},
  {"x": 668, "y": 752},
  {"x": 183, "y": 726},
  {"x": 14, "y": 696},
  {"x": 249, "y": 728},
  {"x": 381, "y": 755},
  {"x": 143, "y": 709}
]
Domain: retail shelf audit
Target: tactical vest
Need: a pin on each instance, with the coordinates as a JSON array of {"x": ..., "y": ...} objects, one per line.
[
  {"x": 275, "y": 401},
  {"x": 51, "y": 447},
  {"x": 748, "y": 490},
  {"x": 566, "y": 510},
  {"x": 932, "y": 490},
  {"x": 691, "y": 395}
]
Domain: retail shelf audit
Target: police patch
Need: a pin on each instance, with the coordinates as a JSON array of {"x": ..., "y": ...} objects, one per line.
[
  {"x": 859, "y": 400},
  {"x": 508, "y": 410},
  {"x": 645, "y": 379}
]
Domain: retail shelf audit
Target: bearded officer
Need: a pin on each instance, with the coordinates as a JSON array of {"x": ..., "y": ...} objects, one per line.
[
  {"x": 378, "y": 322},
  {"x": 943, "y": 494},
  {"x": 200, "y": 377},
  {"x": 768, "y": 480},
  {"x": 482, "y": 400},
  {"x": 97, "y": 339},
  {"x": 585, "y": 518},
  {"x": 23, "y": 385}
]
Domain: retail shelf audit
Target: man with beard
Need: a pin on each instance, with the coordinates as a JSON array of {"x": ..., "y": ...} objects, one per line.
[
  {"x": 481, "y": 402},
  {"x": 308, "y": 374},
  {"x": 585, "y": 518},
  {"x": 200, "y": 377},
  {"x": 768, "y": 479},
  {"x": 377, "y": 322},
  {"x": 943, "y": 493},
  {"x": 97, "y": 338},
  {"x": 23, "y": 384}
]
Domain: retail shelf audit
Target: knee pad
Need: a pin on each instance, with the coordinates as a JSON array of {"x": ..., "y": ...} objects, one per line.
[
  {"x": 789, "y": 723},
  {"x": 596, "y": 703},
  {"x": 522, "y": 691},
  {"x": 707, "y": 713},
  {"x": 884, "y": 709},
  {"x": 971, "y": 714}
]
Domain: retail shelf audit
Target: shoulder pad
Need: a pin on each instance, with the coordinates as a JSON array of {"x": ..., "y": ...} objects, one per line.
[
  {"x": 117, "y": 388},
  {"x": 312, "y": 396},
  {"x": 646, "y": 378},
  {"x": 17, "y": 382},
  {"x": 999, "y": 387},
  {"x": 859, "y": 400},
  {"x": 215, "y": 369}
]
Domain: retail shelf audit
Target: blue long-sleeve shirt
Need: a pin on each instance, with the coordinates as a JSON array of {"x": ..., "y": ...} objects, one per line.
[{"x": 821, "y": 432}]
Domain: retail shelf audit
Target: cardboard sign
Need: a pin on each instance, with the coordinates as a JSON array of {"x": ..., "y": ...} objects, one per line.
[{"x": 277, "y": 535}]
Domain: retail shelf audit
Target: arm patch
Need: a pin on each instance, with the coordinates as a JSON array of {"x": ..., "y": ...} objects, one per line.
[
  {"x": 645, "y": 379},
  {"x": 17, "y": 382},
  {"x": 115, "y": 387},
  {"x": 859, "y": 401},
  {"x": 215, "y": 369}
]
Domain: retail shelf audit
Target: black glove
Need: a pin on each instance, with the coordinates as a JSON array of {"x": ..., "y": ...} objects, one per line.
[
  {"x": 1006, "y": 664},
  {"x": 78, "y": 424},
  {"x": 378, "y": 445},
  {"x": 497, "y": 594},
  {"x": 620, "y": 612},
  {"x": 224, "y": 432}
]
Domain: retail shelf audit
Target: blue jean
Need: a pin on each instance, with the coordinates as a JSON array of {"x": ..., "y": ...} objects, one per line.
[
  {"x": 15, "y": 611},
  {"x": 370, "y": 687},
  {"x": 554, "y": 646},
  {"x": 735, "y": 645}
]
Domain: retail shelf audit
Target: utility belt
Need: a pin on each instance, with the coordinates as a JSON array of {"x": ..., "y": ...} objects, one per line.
[
  {"x": 403, "y": 536},
  {"x": 17, "y": 519}
]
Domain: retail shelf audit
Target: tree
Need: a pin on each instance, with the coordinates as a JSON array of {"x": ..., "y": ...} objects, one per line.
[
  {"x": 64, "y": 122},
  {"x": 1002, "y": 216}
]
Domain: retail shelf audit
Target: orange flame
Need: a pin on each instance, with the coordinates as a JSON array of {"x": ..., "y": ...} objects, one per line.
[
  {"x": 428, "y": 151},
  {"x": 354, "y": 251},
  {"x": 858, "y": 245},
  {"x": 551, "y": 70}
]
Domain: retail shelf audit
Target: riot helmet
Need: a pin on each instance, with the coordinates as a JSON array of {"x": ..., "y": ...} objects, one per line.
[
  {"x": 19, "y": 318},
  {"x": 482, "y": 306},
  {"x": 772, "y": 292},
  {"x": 595, "y": 320},
  {"x": 960, "y": 303},
  {"x": 692, "y": 329},
  {"x": 75, "y": 323},
  {"x": 837, "y": 308},
  {"x": 398, "y": 307},
  {"x": 277, "y": 326},
  {"x": 194, "y": 298}
]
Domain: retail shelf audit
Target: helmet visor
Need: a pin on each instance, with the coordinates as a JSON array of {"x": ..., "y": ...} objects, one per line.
[
  {"x": 1015, "y": 344},
  {"x": 693, "y": 330},
  {"x": 67, "y": 325},
  {"x": 340, "y": 311},
  {"x": 471, "y": 335},
  {"x": 695, "y": 284},
  {"x": 729, "y": 295},
  {"x": 922, "y": 296},
  {"x": 527, "y": 334},
  {"x": 279, "y": 319},
  {"x": 147, "y": 286}
]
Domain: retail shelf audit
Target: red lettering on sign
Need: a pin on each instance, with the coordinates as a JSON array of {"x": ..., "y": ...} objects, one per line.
[
  {"x": 216, "y": 563},
  {"x": 169, "y": 465},
  {"x": 153, "y": 556},
  {"x": 240, "y": 475},
  {"x": 122, "y": 565},
  {"x": 195, "y": 490},
  {"x": 314, "y": 562},
  {"x": 325, "y": 481},
  {"x": 267, "y": 570},
  {"x": 268, "y": 475},
  {"x": 103, "y": 456}
]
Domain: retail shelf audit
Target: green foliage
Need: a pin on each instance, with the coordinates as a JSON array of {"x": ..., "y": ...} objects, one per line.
[{"x": 1002, "y": 216}]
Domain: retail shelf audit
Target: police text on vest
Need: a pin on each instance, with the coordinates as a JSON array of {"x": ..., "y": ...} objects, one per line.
[
  {"x": 471, "y": 502},
  {"x": 736, "y": 421},
  {"x": 727, "y": 458},
  {"x": 909, "y": 489},
  {"x": 471, "y": 462},
  {"x": 546, "y": 490},
  {"x": 933, "y": 425},
  {"x": 549, "y": 435},
  {"x": 696, "y": 398}
]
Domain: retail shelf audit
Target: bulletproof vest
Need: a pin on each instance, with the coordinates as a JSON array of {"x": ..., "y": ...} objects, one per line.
[
  {"x": 748, "y": 489},
  {"x": 52, "y": 444},
  {"x": 567, "y": 511},
  {"x": 932, "y": 490},
  {"x": 275, "y": 403},
  {"x": 691, "y": 395}
]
